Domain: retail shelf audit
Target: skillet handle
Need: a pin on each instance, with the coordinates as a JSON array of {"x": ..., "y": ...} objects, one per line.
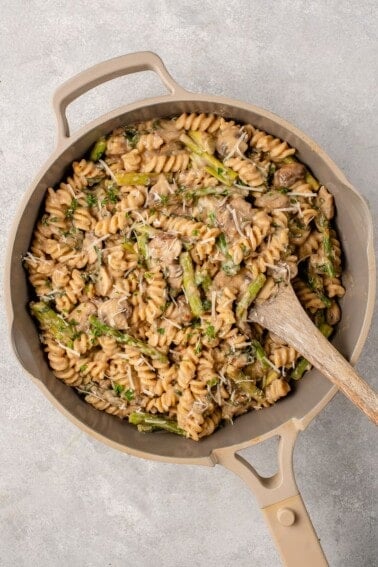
[
  {"x": 280, "y": 502},
  {"x": 103, "y": 72}
]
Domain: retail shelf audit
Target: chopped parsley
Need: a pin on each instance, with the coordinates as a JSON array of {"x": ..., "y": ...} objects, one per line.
[
  {"x": 212, "y": 218},
  {"x": 164, "y": 199},
  {"x": 91, "y": 200},
  {"x": 161, "y": 330},
  {"x": 198, "y": 348},
  {"x": 112, "y": 194},
  {"x": 71, "y": 209},
  {"x": 210, "y": 332},
  {"x": 118, "y": 388},
  {"x": 129, "y": 394},
  {"x": 132, "y": 136}
]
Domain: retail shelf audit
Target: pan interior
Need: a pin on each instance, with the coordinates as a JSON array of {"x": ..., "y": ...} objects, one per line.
[{"x": 353, "y": 226}]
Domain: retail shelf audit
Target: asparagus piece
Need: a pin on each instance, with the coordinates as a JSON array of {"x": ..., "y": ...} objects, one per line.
[
  {"x": 300, "y": 368},
  {"x": 203, "y": 191},
  {"x": 289, "y": 159},
  {"x": 202, "y": 278},
  {"x": 310, "y": 179},
  {"x": 204, "y": 140},
  {"x": 142, "y": 240},
  {"x": 191, "y": 290},
  {"x": 323, "y": 225},
  {"x": 134, "y": 178},
  {"x": 219, "y": 173},
  {"x": 260, "y": 352},
  {"x": 98, "y": 149},
  {"x": 63, "y": 331},
  {"x": 128, "y": 245},
  {"x": 249, "y": 295},
  {"x": 99, "y": 329},
  {"x": 303, "y": 364},
  {"x": 326, "y": 330},
  {"x": 316, "y": 285},
  {"x": 149, "y": 422},
  {"x": 225, "y": 174},
  {"x": 268, "y": 379},
  {"x": 228, "y": 265},
  {"x": 248, "y": 387}
]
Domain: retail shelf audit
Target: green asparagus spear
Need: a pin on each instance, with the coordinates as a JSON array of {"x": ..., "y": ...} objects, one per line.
[
  {"x": 191, "y": 290},
  {"x": 300, "y": 368},
  {"x": 315, "y": 283},
  {"x": 142, "y": 241},
  {"x": 249, "y": 295},
  {"x": 310, "y": 179},
  {"x": 98, "y": 149},
  {"x": 303, "y": 364},
  {"x": 99, "y": 329},
  {"x": 202, "y": 278},
  {"x": 204, "y": 140},
  {"x": 153, "y": 422},
  {"x": 260, "y": 353},
  {"x": 63, "y": 331},
  {"x": 269, "y": 378},
  {"x": 323, "y": 224},
  {"x": 218, "y": 173},
  {"x": 326, "y": 330},
  {"x": 128, "y": 245},
  {"x": 203, "y": 191},
  {"x": 248, "y": 387},
  {"x": 289, "y": 159},
  {"x": 134, "y": 178},
  {"x": 225, "y": 174}
]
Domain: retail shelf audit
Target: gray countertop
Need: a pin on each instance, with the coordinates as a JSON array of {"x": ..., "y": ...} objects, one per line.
[{"x": 68, "y": 500}]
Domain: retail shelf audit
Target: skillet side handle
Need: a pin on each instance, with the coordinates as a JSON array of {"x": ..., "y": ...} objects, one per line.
[
  {"x": 103, "y": 72},
  {"x": 280, "y": 502}
]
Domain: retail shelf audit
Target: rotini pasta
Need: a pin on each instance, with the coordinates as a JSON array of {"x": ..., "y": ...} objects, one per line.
[{"x": 148, "y": 255}]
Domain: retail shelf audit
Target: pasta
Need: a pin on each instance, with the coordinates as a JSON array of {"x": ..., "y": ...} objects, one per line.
[{"x": 147, "y": 258}]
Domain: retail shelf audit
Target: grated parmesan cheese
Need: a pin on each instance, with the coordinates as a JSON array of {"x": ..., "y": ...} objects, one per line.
[
  {"x": 235, "y": 219},
  {"x": 213, "y": 304},
  {"x": 172, "y": 323},
  {"x": 69, "y": 350},
  {"x": 296, "y": 194},
  {"x": 248, "y": 188},
  {"x": 271, "y": 364},
  {"x": 108, "y": 170}
]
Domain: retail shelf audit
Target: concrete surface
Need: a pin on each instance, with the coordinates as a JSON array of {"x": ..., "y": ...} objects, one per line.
[{"x": 67, "y": 500}]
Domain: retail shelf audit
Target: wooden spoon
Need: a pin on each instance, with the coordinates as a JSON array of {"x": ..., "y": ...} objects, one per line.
[{"x": 284, "y": 316}]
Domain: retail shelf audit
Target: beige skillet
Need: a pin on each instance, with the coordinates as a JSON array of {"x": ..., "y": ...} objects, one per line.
[{"x": 278, "y": 496}]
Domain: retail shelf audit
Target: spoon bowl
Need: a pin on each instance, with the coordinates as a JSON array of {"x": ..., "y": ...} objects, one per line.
[{"x": 283, "y": 315}]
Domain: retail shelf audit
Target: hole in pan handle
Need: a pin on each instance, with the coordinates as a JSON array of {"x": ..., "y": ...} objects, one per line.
[
  {"x": 280, "y": 502},
  {"x": 103, "y": 72}
]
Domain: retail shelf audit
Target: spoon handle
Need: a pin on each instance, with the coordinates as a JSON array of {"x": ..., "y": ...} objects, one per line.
[
  {"x": 285, "y": 316},
  {"x": 323, "y": 355}
]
